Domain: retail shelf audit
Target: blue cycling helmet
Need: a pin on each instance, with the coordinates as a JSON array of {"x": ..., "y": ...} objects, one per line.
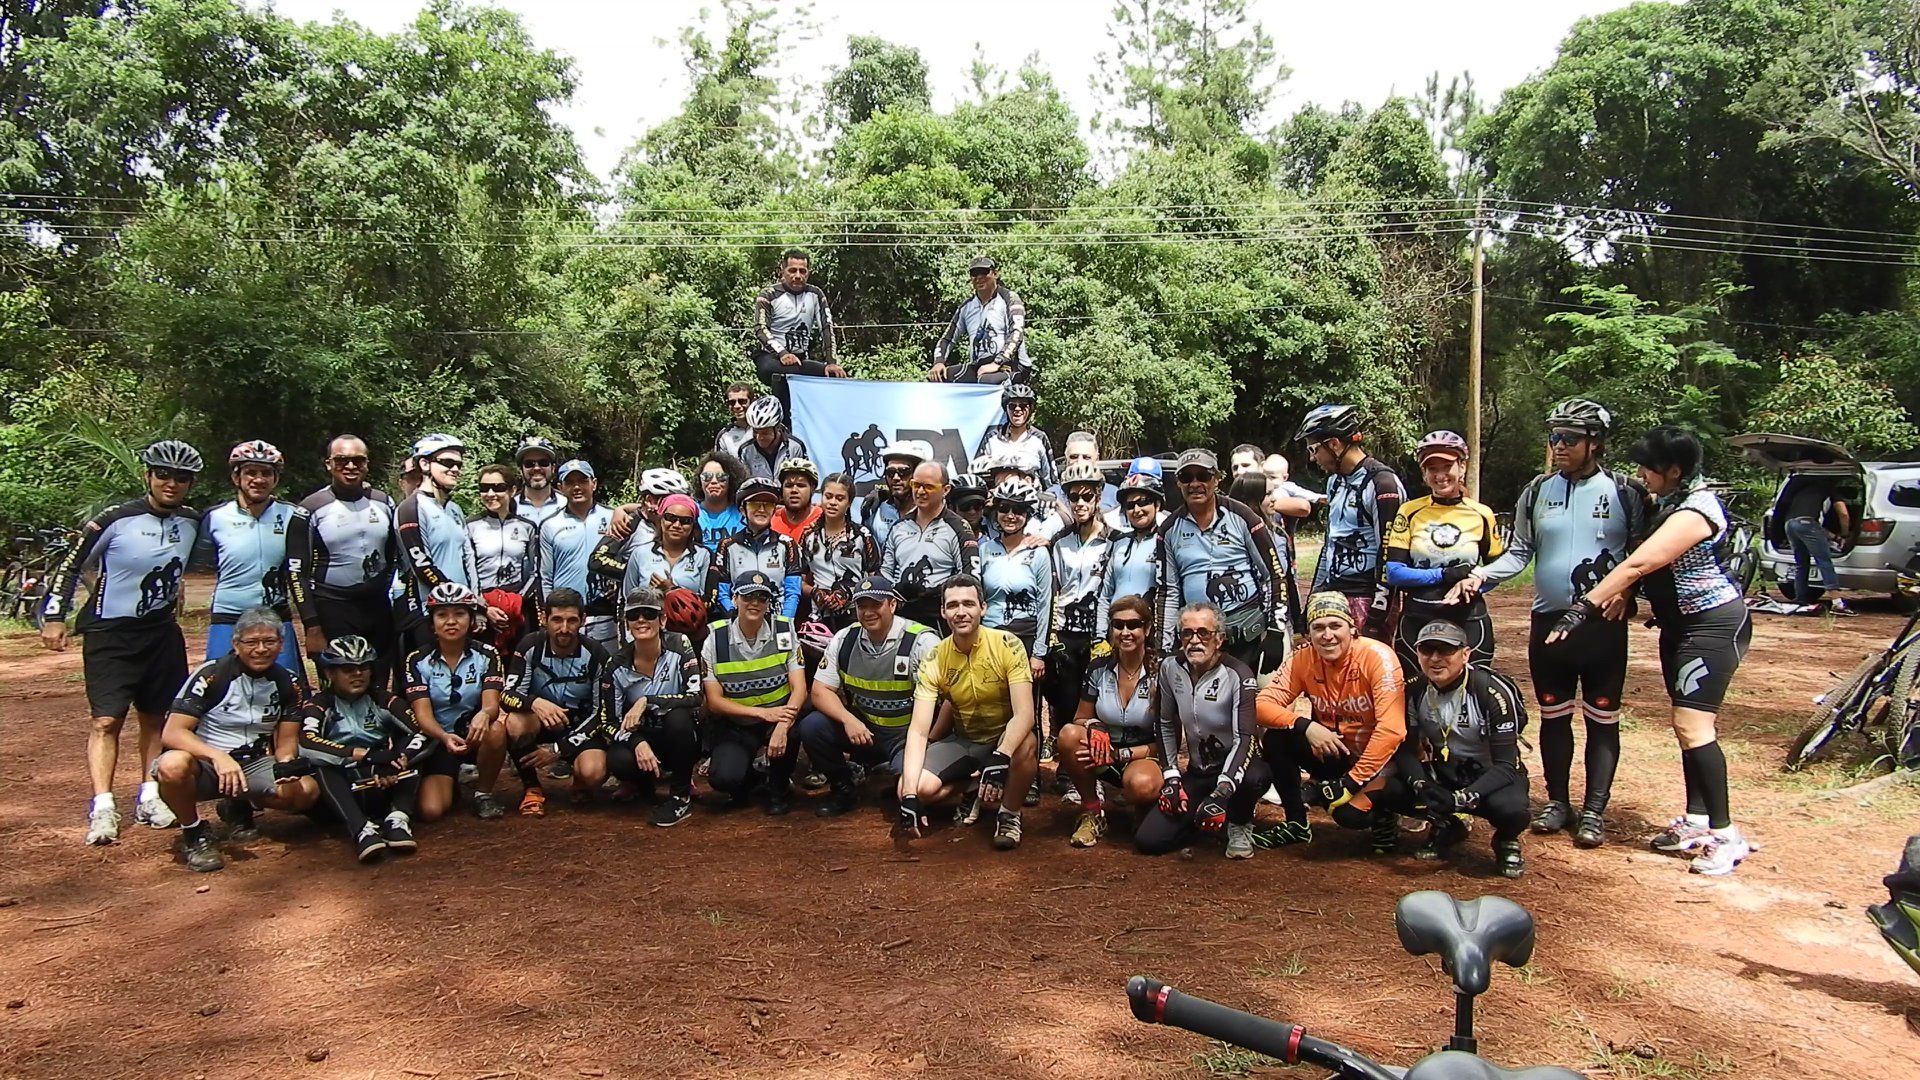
[{"x": 1145, "y": 465}]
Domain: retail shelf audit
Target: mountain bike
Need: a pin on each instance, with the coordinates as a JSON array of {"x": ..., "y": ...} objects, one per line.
[
  {"x": 1874, "y": 699},
  {"x": 1470, "y": 936},
  {"x": 31, "y": 559}
]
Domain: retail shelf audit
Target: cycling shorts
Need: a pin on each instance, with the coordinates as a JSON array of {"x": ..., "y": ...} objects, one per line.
[
  {"x": 206, "y": 782},
  {"x": 1699, "y": 654},
  {"x": 957, "y": 757},
  {"x": 139, "y": 667},
  {"x": 1593, "y": 660}
]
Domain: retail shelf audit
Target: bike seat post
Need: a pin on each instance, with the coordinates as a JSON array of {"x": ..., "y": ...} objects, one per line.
[{"x": 1463, "y": 1024}]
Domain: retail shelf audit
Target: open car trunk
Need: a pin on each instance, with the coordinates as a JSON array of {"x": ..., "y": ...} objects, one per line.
[{"x": 1803, "y": 460}]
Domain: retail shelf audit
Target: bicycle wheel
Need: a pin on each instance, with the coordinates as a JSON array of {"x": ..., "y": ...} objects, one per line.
[
  {"x": 1835, "y": 713},
  {"x": 1893, "y": 717},
  {"x": 1743, "y": 561}
]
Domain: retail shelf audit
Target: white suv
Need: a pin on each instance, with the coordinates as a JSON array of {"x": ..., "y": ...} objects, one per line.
[{"x": 1884, "y": 531}]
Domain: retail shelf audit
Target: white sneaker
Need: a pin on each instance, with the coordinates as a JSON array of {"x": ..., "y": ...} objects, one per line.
[
  {"x": 103, "y": 825},
  {"x": 1272, "y": 797},
  {"x": 154, "y": 814},
  {"x": 1721, "y": 854},
  {"x": 1239, "y": 841},
  {"x": 1682, "y": 836},
  {"x": 1072, "y": 796}
]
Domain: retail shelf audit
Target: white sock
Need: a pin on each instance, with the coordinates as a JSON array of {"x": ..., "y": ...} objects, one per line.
[
  {"x": 1699, "y": 820},
  {"x": 149, "y": 790},
  {"x": 1731, "y": 832},
  {"x": 103, "y": 801},
  {"x": 398, "y": 816}
]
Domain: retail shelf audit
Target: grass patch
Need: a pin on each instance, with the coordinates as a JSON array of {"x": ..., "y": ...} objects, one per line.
[
  {"x": 1621, "y": 987},
  {"x": 1226, "y": 1059},
  {"x": 1531, "y": 975},
  {"x": 1636, "y": 1063},
  {"x": 714, "y": 916},
  {"x": 10, "y": 627},
  {"x": 1292, "y": 968}
]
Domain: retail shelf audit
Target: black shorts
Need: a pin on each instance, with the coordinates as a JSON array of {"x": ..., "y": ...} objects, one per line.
[
  {"x": 1699, "y": 654},
  {"x": 1592, "y": 660},
  {"x": 437, "y": 760},
  {"x": 142, "y": 667}
]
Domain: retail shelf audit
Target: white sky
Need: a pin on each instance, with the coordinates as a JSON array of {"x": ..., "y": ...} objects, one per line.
[{"x": 631, "y": 77}]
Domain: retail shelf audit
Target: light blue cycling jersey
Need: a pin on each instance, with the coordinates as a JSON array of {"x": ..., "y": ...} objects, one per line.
[
  {"x": 645, "y": 561},
  {"x": 433, "y": 546},
  {"x": 538, "y": 513},
  {"x": 249, "y": 556},
  {"x": 140, "y": 554},
  {"x": 1577, "y": 530},
  {"x": 454, "y": 690},
  {"x": 566, "y": 544},
  {"x": 1133, "y": 569},
  {"x": 1218, "y": 564},
  {"x": 1079, "y": 567},
  {"x": 1019, "y": 587}
]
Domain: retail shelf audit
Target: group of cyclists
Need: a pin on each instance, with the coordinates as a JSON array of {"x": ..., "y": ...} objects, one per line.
[{"x": 955, "y": 635}]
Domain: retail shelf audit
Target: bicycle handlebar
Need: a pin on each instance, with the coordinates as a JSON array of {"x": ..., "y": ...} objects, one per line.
[{"x": 1154, "y": 1002}]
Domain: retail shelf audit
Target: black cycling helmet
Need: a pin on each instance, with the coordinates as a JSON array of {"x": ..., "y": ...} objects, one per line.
[
  {"x": 1018, "y": 391},
  {"x": 1580, "y": 414},
  {"x": 1329, "y": 422},
  {"x": 172, "y": 454},
  {"x": 1145, "y": 484}
]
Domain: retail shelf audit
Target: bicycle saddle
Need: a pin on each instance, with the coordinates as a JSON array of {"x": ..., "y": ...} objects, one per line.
[
  {"x": 1469, "y": 936},
  {"x": 1454, "y": 1065}
]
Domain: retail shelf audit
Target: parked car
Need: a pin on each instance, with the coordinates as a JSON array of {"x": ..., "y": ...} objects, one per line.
[{"x": 1881, "y": 494}]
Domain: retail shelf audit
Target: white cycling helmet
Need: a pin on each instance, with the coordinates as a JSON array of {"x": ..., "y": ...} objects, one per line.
[
  {"x": 454, "y": 594},
  {"x": 1015, "y": 493},
  {"x": 764, "y": 412},
  {"x": 661, "y": 483},
  {"x": 172, "y": 454},
  {"x": 428, "y": 445}
]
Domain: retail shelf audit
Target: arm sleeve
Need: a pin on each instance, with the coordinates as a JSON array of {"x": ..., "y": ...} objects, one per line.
[
  {"x": 66, "y": 577},
  {"x": 722, "y": 585},
  {"x": 517, "y": 692},
  {"x": 1244, "y": 727},
  {"x": 609, "y": 558},
  {"x": 1103, "y": 606},
  {"x": 1169, "y": 588},
  {"x": 945, "y": 345},
  {"x": 823, "y": 349},
  {"x": 1043, "y": 587},
  {"x": 1166, "y": 721},
  {"x": 1505, "y": 712},
  {"x": 1265, "y": 560},
  {"x": 1402, "y": 576},
  {"x": 1016, "y": 326},
  {"x": 763, "y": 321},
  {"x": 889, "y": 565},
  {"x": 416, "y": 687},
  {"x": 304, "y": 551},
  {"x": 1389, "y": 715},
  {"x": 1520, "y": 552},
  {"x": 492, "y": 678},
  {"x": 967, "y": 557},
  {"x": 1047, "y": 474},
  {"x": 869, "y": 551},
  {"x": 790, "y": 582}
]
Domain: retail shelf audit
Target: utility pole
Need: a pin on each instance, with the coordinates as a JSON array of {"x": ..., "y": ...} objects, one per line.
[{"x": 1473, "y": 352}]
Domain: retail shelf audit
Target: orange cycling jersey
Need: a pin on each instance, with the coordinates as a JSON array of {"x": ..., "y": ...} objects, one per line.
[{"x": 1361, "y": 697}]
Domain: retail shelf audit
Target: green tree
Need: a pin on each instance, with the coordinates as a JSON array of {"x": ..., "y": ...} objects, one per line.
[
  {"x": 1817, "y": 396},
  {"x": 879, "y": 76}
]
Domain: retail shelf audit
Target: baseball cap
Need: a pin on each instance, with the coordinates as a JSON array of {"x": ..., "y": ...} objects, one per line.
[
  {"x": 873, "y": 587},
  {"x": 575, "y": 465},
  {"x": 1440, "y": 630},
  {"x": 913, "y": 450},
  {"x": 981, "y": 262},
  {"x": 750, "y": 582},
  {"x": 644, "y": 596},
  {"x": 1196, "y": 458}
]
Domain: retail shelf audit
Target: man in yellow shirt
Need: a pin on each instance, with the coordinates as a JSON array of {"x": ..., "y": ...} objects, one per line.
[{"x": 978, "y": 684}]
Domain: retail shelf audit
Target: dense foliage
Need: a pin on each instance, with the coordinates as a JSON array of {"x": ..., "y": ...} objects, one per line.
[{"x": 225, "y": 224}]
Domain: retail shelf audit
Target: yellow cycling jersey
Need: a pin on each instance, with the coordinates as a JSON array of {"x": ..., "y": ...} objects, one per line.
[{"x": 979, "y": 683}]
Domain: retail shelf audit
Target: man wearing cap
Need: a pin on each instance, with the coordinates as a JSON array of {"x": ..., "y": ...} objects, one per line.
[
  {"x": 1216, "y": 550},
  {"x": 1347, "y": 746},
  {"x": 771, "y": 443},
  {"x": 567, "y": 539},
  {"x": 757, "y": 547},
  {"x": 754, "y": 686},
  {"x": 537, "y": 500},
  {"x": 990, "y": 330},
  {"x": 793, "y": 328},
  {"x": 927, "y": 547},
  {"x": 891, "y": 500},
  {"x": 1462, "y": 754},
  {"x": 863, "y": 693},
  {"x": 984, "y": 678}
]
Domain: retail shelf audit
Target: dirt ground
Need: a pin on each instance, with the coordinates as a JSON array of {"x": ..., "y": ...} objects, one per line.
[{"x": 589, "y": 944}]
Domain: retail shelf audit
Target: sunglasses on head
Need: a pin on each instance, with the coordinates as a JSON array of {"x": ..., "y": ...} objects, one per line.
[
  {"x": 494, "y": 489},
  {"x": 1128, "y": 624}
]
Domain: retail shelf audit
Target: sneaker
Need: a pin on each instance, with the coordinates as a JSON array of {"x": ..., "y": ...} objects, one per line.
[
  {"x": 967, "y": 812},
  {"x": 154, "y": 814},
  {"x": 1683, "y": 835},
  {"x": 1272, "y": 797},
  {"x": 844, "y": 800},
  {"x": 1282, "y": 833},
  {"x": 1553, "y": 817},
  {"x": 1592, "y": 830},
  {"x": 238, "y": 814},
  {"x": 532, "y": 804},
  {"x": 1838, "y": 606},
  {"x": 486, "y": 807},
  {"x": 673, "y": 811},
  {"x": 1724, "y": 850},
  {"x": 815, "y": 781},
  {"x": 1006, "y": 830},
  {"x": 560, "y": 770},
  {"x": 201, "y": 850},
  {"x": 1033, "y": 793},
  {"x": 1507, "y": 857},
  {"x": 397, "y": 831},
  {"x": 103, "y": 825},
  {"x": 1446, "y": 832},
  {"x": 370, "y": 845},
  {"x": 1046, "y": 750},
  {"x": 1386, "y": 833},
  {"x": 1072, "y": 796},
  {"x": 1092, "y": 826},
  {"x": 469, "y": 773},
  {"x": 780, "y": 801},
  {"x": 1239, "y": 841}
]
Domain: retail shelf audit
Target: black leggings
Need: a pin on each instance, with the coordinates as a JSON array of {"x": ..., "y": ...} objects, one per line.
[
  {"x": 1160, "y": 832},
  {"x": 732, "y": 747},
  {"x": 674, "y": 736},
  {"x": 1066, "y": 677},
  {"x": 355, "y": 807},
  {"x": 371, "y": 618},
  {"x": 1287, "y": 755},
  {"x": 774, "y": 374}
]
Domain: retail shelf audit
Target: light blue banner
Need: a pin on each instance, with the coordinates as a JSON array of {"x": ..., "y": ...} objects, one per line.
[{"x": 846, "y": 423}]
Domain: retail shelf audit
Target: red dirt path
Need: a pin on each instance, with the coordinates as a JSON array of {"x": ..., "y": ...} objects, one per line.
[{"x": 589, "y": 944}]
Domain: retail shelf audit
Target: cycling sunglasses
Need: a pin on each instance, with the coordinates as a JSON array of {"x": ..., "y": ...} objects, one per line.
[
  {"x": 1128, "y": 624},
  {"x": 1565, "y": 438},
  {"x": 349, "y": 461},
  {"x": 1083, "y": 495},
  {"x": 495, "y": 489},
  {"x": 675, "y": 519},
  {"x": 1135, "y": 504},
  {"x": 642, "y": 613},
  {"x": 174, "y": 476}
]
